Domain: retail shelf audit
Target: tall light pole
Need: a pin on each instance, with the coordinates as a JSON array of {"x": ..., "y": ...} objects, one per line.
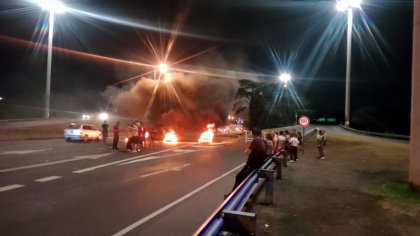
[
  {"x": 414, "y": 170},
  {"x": 347, "y": 6},
  {"x": 52, "y": 6}
]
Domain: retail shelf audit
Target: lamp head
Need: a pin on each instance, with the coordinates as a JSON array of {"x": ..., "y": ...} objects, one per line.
[
  {"x": 285, "y": 77},
  {"x": 55, "y": 6},
  {"x": 343, "y": 5},
  {"x": 163, "y": 68}
]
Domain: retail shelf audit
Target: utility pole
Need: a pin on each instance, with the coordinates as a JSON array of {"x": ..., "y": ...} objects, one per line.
[{"x": 414, "y": 169}]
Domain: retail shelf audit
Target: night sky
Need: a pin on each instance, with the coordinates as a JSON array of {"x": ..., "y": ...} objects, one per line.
[{"x": 306, "y": 38}]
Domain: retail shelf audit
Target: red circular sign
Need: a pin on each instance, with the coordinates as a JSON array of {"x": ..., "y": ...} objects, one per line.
[{"x": 304, "y": 121}]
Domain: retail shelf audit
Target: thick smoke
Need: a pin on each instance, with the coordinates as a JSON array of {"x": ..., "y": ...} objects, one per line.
[{"x": 187, "y": 103}]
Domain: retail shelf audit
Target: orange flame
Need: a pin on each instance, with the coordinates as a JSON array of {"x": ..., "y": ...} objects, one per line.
[
  {"x": 170, "y": 137},
  {"x": 207, "y": 136}
]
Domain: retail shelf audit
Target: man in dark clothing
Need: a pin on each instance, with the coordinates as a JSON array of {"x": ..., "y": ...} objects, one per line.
[
  {"x": 116, "y": 130},
  {"x": 105, "y": 131},
  {"x": 256, "y": 156}
]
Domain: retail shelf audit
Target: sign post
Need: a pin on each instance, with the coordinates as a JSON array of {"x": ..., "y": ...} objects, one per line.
[{"x": 304, "y": 121}]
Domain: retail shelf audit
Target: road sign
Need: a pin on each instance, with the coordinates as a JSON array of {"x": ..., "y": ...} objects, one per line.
[{"x": 304, "y": 121}]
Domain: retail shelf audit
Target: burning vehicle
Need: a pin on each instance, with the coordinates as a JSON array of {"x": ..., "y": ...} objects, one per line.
[{"x": 208, "y": 135}]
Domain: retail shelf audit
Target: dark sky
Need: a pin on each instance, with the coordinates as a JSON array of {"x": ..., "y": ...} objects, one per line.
[{"x": 306, "y": 38}]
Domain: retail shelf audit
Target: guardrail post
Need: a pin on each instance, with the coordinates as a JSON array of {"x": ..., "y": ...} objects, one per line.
[
  {"x": 269, "y": 185},
  {"x": 278, "y": 160},
  {"x": 240, "y": 223}
]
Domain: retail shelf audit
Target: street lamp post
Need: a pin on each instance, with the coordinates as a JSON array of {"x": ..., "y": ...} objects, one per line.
[
  {"x": 348, "y": 5},
  {"x": 52, "y": 6}
]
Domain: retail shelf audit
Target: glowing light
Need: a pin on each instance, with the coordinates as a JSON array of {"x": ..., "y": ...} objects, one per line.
[
  {"x": 167, "y": 78},
  {"x": 285, "y": 77},
  {"x": 343, "y": 5},
  {"x": 103, "y": 116},
  {"x": 147, "y": 134},
  {"x": 52, "y": 6},
  {"x": 163, "y": 68},
  {"x": 85, "y": 117},
  {"x": 207, "y": 136},
  {"x": 170, "y": 138}
]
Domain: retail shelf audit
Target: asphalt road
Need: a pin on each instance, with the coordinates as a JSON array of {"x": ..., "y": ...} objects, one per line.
[{"x": 53, "y": 187}]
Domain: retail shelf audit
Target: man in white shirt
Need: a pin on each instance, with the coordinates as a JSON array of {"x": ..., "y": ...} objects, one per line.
[{"x": 294, "y": 149}]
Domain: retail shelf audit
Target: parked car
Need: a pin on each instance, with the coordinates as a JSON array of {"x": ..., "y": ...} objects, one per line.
[{"x": 82, "y": 132}]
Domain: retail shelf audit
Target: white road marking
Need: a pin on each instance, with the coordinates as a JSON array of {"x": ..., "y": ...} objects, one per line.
[
  {"x": 177, "y": 168},
  {"x": 183, "y": 150},
  {"x": 95, "y": 156},
  {"x": 48, "y": 178},
  {"x": 22, "y": 152},
  {"x": 151, "y": 158},
  {"x": 155, "y": 173},
  {"x": 117, "y": 162},
  {"x": 165, "y": 208},
  {"x": 139, "y": 160},
  {"x": 10, "y": 187},
  {"x": 204, "y": 146},
  {"x": 54, "y": 162}
]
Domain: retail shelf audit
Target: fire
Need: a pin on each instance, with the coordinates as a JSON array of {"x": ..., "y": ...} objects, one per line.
[
  {"x": 170, "y": 137},
  {"x": 207, "y": 136}
]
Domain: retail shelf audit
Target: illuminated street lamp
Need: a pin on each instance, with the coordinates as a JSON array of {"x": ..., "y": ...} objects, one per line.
[
  {"x": 285, "y": 78},
  {"x": 52, "y": 6},
  {"x": 103, "y": 116},
  {"x": 347, "y": 6},
  {"x": 163, "y": 68}
]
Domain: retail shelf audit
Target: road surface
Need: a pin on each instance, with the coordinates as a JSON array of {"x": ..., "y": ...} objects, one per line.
[{"x": 53, "y": 187}]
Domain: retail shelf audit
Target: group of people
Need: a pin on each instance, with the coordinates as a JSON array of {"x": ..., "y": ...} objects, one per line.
[
  {"x": 137, "y": 135},
  {"x": 287, "y": 142}
]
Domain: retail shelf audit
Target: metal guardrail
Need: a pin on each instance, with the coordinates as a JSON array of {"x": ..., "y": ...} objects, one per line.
[
  {"x": 234, "y": 203},
  {"x": 383, "y": 135},
  {"x": 229, "y": 215}
]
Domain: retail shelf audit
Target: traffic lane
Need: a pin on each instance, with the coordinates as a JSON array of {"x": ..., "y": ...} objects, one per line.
[
  {"x": 40, "y": 167},
  {"x": 215, "y": 175},
  {"x": 43, "y": 151},
  {"x": 22, "y": 153},
  {"x": 105, "y": 200}
]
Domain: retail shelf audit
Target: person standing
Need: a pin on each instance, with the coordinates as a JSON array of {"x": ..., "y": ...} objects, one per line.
[
  {"x": 141, "y": 134},
  {"x": 256, "y": 155},
  {"x": 104, "y": 131},
  {"x": 294, "y": 147},
  {"x": 300, "y": 138},
  {"x": 116, "y": 131},
  {"x": 321, "y": 139},
  {"x": 269, "y": 143},
  {"x": 276, "y": 142},
  {"x": 152, "y": 137},
  {"x": 282, "y": 140},
  {"x": 131, "y": 132}
]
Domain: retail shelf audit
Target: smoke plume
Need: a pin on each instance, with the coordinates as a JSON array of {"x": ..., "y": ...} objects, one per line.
[{"x": 187, "y": 103}]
